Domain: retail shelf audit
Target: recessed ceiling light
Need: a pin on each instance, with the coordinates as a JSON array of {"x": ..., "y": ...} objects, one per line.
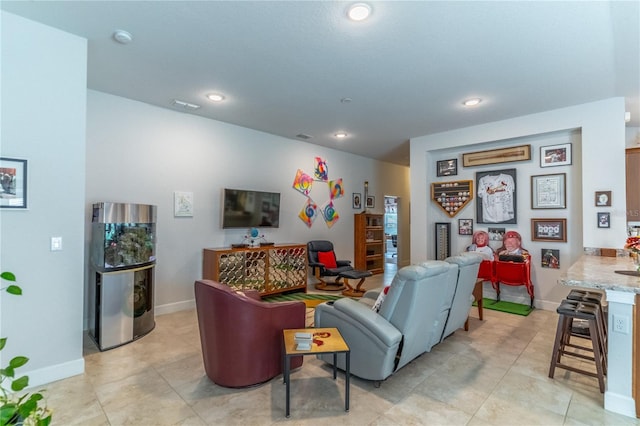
[
  {"x": 215, "y": 97},
  {"x": 359, "y": 11},
  {"x": 122, "y": 36},
  {"x": 341, "y": 135},
  {"x": 472, "y": 102}
]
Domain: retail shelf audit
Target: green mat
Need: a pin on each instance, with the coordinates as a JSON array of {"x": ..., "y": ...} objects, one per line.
[
  {"x": 309, "y": 299},
  {"x": 509, "y": 307}
]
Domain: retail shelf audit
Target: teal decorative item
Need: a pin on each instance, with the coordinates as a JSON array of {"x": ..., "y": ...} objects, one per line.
[{"x": 254, "y": 233}]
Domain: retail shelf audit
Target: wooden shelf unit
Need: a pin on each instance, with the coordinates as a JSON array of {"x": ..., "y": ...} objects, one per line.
[
  {"x": 267, "y": 269},
  {"x": 369, "y": 242}
]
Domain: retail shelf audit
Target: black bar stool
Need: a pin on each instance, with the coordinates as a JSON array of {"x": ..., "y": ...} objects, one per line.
[
  {"x": 591, "y": 313},
  {"x": 592, "y": 297}
]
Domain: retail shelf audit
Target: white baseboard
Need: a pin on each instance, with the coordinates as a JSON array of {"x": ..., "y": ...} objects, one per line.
[
  {"x": 170, "y": 308},
  {"x": 620, "y": 404},
  {"x": 54, "y": 373}
]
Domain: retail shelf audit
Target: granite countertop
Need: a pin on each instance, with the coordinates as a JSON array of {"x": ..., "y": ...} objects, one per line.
[{"x": 599, "y": 272}]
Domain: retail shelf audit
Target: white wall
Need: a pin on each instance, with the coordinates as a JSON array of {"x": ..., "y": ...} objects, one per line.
[
  {"x": 140, "y": 153},
  {"x": 598, "y": 164},
  {"x": 43, "y": 121}
]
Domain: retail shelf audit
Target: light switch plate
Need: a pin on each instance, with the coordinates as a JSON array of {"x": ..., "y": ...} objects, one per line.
[{"x": 56, "y": 243}]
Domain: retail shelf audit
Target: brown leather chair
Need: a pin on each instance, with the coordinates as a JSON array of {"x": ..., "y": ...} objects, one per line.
[{"x": 241, "y": 336}]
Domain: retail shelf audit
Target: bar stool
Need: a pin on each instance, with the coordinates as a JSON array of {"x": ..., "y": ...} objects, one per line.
[
  {"x": 576, "y": 309},
  {"x": 592, "y": 297}
]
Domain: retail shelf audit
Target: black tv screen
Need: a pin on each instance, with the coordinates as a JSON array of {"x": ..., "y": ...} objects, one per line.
[{"x": 247, "y": 209}]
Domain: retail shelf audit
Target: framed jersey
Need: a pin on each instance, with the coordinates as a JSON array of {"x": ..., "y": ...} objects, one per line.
[{"x": 496, "y": 202}]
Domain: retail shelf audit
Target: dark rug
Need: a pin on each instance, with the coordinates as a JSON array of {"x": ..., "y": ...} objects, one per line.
[{"x": 509, "y": 307}]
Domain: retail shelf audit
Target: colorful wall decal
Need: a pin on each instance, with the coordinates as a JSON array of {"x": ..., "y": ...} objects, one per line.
[
  {"x": 330, "y": 214},
  {"x": 335, "y": 188},
  {"x": 321, "y": 170},
  {"x": 309, "y": 212},
  {"x": 303, "y": 182}
]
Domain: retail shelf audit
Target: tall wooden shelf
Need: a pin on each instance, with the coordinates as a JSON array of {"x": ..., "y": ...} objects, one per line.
[
  {"x": 369, "y": 242},
  {"x": 268, "y": 269}
]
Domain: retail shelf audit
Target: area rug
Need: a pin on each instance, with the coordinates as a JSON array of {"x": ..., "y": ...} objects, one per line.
[
  {"x": 509, "y": 307},
  {"x": 311, "y": 300}
]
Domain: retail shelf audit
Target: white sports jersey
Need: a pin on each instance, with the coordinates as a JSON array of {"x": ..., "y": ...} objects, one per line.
[{"x": 497, "y": 198}]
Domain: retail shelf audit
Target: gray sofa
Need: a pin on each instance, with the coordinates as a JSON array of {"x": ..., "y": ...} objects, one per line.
[{"x": 414, "y": 316}]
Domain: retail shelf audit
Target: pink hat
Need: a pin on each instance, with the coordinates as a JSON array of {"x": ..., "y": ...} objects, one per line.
[{"x": 512, "y": 234}]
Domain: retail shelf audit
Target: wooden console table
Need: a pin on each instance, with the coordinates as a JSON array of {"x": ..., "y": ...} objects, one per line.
[{"x": 268, "y": 269}]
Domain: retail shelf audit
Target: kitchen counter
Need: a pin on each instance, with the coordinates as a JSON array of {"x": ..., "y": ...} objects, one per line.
[{"x": 623, "y": 350}]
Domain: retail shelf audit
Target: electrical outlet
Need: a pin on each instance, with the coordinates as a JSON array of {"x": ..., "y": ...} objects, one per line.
[{"x": 621, "y": 324}]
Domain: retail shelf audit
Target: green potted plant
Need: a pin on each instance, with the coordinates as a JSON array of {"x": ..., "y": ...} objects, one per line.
[{"x": 27, "y": 409}]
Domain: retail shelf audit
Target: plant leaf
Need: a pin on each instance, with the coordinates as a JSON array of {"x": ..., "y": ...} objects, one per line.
[
  {"x": 45, "y": 422},
  {"x": 14, "y": 289},
  {"x": 28, "y": 407},
  {"x": 19, "y": 384},
  {"x": 9, "y": 276},
  {"x": 7, "y": 412},
  {"x": 18, "y": 361},
  {"x": 3, "y": 341},
  {"x": 7, "y": 372}
]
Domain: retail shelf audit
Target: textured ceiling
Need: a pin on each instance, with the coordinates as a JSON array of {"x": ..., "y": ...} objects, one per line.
[{"x": 284, "y": 66}]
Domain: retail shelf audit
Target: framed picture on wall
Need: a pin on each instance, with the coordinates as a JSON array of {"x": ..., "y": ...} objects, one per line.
[
  {"x": 371, "y": 201},
  {"x": 549, "y": 230},
  {"x": 465, "y": 226},
  {"x": 13, "y": 183},
  {"x": 548, "y": 191},
  {"x": 496, "y": 202},
  {"x": 604, "y": 220},
  {"x": 447, "y": 167},
  {"x": 555, "y": 155},
  {"x": 356, "y": 200},
  {"x": 603, "y": 199},
  {"x": 550, "y": 258}
]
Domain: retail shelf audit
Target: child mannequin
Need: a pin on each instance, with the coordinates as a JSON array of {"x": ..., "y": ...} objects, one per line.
[{"x": 480, "y": 245}]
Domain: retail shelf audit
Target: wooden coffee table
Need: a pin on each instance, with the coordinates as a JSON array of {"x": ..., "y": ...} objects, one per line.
[{"x": 325, "y": 341}]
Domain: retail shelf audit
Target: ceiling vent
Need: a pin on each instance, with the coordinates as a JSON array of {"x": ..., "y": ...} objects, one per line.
[
  {"x": 184, "y": 105},
  {"x": 303, "y": 136}
]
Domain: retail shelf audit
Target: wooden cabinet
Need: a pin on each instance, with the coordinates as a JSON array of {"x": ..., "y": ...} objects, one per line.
[
  {"x": 369, "y": 242},
  {"x": 633, "y": 189},
  {"x": 267, "y": 269}
]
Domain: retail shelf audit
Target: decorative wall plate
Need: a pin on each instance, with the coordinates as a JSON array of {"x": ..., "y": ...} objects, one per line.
[{"x": 453, "y": 196}]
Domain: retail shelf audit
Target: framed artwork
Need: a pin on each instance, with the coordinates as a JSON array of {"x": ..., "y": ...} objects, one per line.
[
  {"x": 443, "y": 240},
  {"x": 182, "y": 204},
  {"x": 496, "y": 234},
  {"x": 604, "y": 220},
  {"x": 550, "y": 258},
  {"x": 13, "y": 183},
  {"x": 371, "y": 201},
  {"x": 447, "y": 167},
  {"x": 356, "y": 200},
  {"x": 549, "y": 191},
  {"x": 495, "y": 156},
  {"x": 555, "y": 155},
  {"x": 496, "y": 201},
  {"x": 453, "y": 196},
  {"x": 465, "y": 226},
  {"x": 603, "y": 199},
  {"x": 554, "y": 230}
]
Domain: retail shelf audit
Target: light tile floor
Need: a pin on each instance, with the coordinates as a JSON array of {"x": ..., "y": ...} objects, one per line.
[{"x": 495, "y": 374}]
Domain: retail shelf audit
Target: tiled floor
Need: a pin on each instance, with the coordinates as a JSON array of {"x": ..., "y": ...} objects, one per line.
[{"x": 495, "y": 374}]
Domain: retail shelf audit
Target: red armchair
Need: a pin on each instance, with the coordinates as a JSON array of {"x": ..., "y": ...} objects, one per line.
[{"x": 241, "y": 336}]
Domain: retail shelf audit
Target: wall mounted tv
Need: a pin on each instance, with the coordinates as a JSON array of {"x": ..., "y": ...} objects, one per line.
[{"x": 247, "y": 209}]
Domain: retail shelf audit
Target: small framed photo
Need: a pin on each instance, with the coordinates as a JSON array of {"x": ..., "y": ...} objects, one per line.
[
  {"x": 555, "y": 155},
  {"x": 604, "y": 220},
  {"x": 603, "y": 199},
  {"x": 554, "y": 230},
  {"x": 465, "y": 226},
  {"x": 356, "y": 200},
  {"x": 182, "y": 204},
  {"x": 447, "y": 167},
  {"x": 496, "y": 234},
  {"x": 550, "y": 258},
  {"x": 13, "y": 183},
  {"x": 549, "y": 191},
  {"x": 371, "y": 201}
]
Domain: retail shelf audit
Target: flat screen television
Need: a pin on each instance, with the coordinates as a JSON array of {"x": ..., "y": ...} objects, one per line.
[{"x": 247, "y": 209}]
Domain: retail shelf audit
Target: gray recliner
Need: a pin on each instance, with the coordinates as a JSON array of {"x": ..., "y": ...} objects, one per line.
[
  {"x": 409, "y": 318},
  {"x": 468, "y": 266}
]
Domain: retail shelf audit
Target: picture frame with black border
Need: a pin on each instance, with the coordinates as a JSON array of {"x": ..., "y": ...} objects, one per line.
[
  {"x": 356, "y": 200},
  {"x": 371, "y": 201},
  {"x": 551, "y": 230},
  {"x": 603, "y": 199},
  {"x": 549, "y": 191},
  {"x": 465, "y": 226},
  {"x": 555, "y": 155},
  {"x": 604, "y": 220},
  {"x": 13, "y": 183},
  {"x": 496, "y": 201},
  {"x": 447, "y": 167},
  {"x": 550, "y": 258}
]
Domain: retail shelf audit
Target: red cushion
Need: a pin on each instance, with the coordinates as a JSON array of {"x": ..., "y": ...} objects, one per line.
[{"x": 328, "y": 259}]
